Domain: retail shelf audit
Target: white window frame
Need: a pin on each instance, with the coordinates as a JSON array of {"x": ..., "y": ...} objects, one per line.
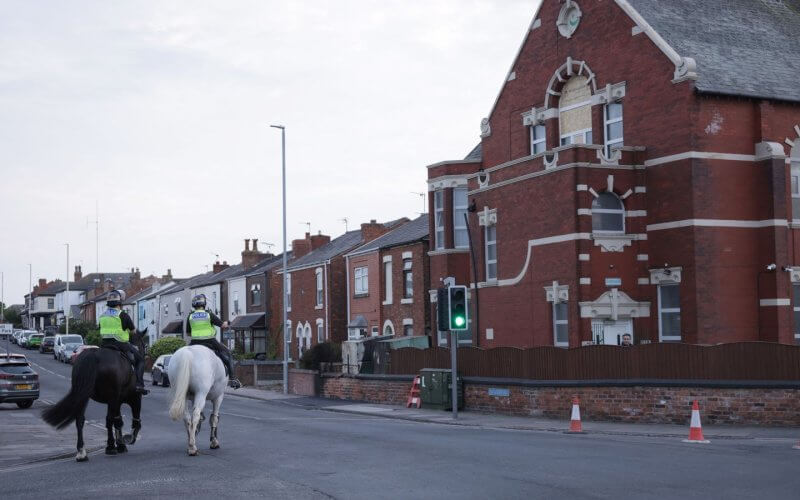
[
  {"x": 374, "y": 331},
  {"x": 236, "y": 303},
  {"x": 619, "y": 211},
  {"x": 255, "y": 287},
  {"x": 557, "y": 322},
  {"x": 794, "y": 172},
  {"x": 459, "y": 224},
  {"x": 796, "y": 308},
  {"x": 585, "y": 134},
  {"x": 361, "y": 281},
  {"x": 408, "y": 269},
  {"x": 490, "y": 242},
  {"x": 320, "y": 331},
  {"x": 178, "y": 310},
  {"x": 661, "y": 310},
  {"x": 320, "y": 286},
  {"x": 388, "y": 325},
  {"x": 538, "y": 144},
  {"x": 609, "y": 144},
  {"x": 438, "y": 218},
  {"x": 387, "y": 282}
]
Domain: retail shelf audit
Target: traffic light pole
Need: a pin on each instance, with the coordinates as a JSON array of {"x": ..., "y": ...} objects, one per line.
[{"x": 454, "y": 372}]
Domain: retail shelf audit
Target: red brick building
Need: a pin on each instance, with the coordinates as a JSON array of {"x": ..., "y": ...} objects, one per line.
[
  {"x": 388, "y": 281},
  {"x": 317, "y": 298},
  {"x": 637, "y": 173}
]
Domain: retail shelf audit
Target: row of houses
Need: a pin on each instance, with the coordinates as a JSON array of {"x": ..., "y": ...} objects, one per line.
[{"x": 367, "y": 282}]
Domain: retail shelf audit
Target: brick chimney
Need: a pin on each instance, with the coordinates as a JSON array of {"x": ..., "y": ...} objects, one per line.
[
  {"x": 220, "y": 267},
  {"x": 42, "y": 283},
  {"x": 78, "y": 273},
  {"x": 138, "y": 274},
  {"x": 301, "y": 247},
  {"x": 319, "y": 240},
  {"x": 167, "y": 277},
  {"x": 251, "y": 257},
  {"x": 371, "y": 230}
]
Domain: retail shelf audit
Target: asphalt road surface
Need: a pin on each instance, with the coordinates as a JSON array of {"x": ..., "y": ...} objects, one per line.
[{"x": 291, "y": 449}]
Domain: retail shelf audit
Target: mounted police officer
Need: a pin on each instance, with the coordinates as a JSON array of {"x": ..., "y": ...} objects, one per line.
[
  {"x": 200, "y": 324},
  {"x": 115, "y": 328}
]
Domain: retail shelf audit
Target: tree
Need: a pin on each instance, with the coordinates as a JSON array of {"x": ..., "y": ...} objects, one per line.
[
  {"x": 77, "y": 327},
  {"x": 11, "y": 316},
  {"x": 166, "y": 345}
]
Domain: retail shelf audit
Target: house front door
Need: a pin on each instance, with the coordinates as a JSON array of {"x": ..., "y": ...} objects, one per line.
[{"x": 610, "y": 332}]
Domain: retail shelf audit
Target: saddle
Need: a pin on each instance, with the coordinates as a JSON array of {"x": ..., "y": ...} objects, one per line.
[{"x": 128, "y": 356}]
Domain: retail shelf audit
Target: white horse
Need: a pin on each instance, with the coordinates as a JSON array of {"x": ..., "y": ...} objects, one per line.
[{"x": 196, "y": 374}]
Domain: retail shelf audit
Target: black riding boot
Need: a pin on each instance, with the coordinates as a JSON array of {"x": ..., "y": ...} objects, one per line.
[{"x": 227, "y": 360}]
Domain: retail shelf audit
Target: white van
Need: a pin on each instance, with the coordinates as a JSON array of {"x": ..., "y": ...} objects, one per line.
[{"x": 63, "y": 345}]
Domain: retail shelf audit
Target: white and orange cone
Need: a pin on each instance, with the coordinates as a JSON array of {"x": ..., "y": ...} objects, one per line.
[
  {"x": 696, "y": 428},
  {"x": 575, "y": 420}
]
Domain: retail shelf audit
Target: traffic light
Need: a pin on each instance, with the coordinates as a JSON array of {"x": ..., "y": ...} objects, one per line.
[
  {"x": 457, "y": 306},
  {"x": 442, "y": 310}
]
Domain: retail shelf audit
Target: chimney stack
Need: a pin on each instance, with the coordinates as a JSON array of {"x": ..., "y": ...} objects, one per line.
[
  {"x": 220, "y": 267},
  {"x": 251, "y": 257},
  {"x": 78, "y": 273},
  {"x": 42, "y": 283},
  {"x": 167, "y": 277},
  {"x": 372, "y": 230}
]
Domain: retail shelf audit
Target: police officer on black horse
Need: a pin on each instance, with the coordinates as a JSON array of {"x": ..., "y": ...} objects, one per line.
[
  {"x": 200, "y": 325},
  {"x": 115, "y": 328}
]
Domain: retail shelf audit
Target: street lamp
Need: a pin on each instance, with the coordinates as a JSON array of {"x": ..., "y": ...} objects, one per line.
[
  {"x": 285, "y": 312},
  {"x": 66, "y": 296}
]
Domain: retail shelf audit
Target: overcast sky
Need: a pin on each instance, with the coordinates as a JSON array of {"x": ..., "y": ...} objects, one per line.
[{"x": 160, "y": 110}]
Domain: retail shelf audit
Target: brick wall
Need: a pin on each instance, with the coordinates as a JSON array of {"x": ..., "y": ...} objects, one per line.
[
  {"x": 303, "y": 382},
  {"x": 642, "y": 404}
]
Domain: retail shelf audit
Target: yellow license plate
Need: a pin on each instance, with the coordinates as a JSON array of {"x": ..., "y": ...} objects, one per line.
[{"x": 24, "y": 387}]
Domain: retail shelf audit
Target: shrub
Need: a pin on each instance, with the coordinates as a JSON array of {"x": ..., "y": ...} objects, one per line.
[
  {"x": 93, "y": 337},
  {"x": 166, "y": 345},
  {"x": 78, "y": 327},
  {"x": 327, "y": 352}
]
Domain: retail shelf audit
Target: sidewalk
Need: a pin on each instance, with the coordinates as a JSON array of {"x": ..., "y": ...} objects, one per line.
[
  {"x": 27, "y": 439},
  {"x": 494, "y": 421}
]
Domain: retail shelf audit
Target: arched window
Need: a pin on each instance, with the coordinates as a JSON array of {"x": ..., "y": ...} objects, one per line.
[
  {"x": 575, "y": 112},
  {"x": 388, "y": 328},
  {"x": 608, "y": 214}
]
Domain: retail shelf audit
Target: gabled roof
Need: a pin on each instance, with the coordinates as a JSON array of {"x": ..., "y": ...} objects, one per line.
[
  {"x": 161, "y": 290},
  {"x": 476, "y": 153},
  {"x": 268, "y": 265},
  {"x": 416, "y": 230},
  {"x": 742, "y": 47},
  {"x": 187, "y": 283},
  {"x": 328, "y": 251},
  {"x": 218, "y": 277}
]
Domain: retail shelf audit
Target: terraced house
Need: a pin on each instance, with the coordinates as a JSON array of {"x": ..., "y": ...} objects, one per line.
[{"x": 637, "y": 173}]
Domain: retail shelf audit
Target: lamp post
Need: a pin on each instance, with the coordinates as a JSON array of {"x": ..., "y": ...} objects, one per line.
[
  {"x": 285, "y": 312},
  {"x": 66, "y": 296},
  {"x": 30, "y": 295}
]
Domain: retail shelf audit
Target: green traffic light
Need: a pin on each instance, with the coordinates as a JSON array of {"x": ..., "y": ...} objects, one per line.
[{"x": 459, "y": 321}]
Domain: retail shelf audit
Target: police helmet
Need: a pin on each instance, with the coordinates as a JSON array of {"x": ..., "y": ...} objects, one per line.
[
  {"x": 115, "y": 298},
  {"x": 199, "y": 301}
]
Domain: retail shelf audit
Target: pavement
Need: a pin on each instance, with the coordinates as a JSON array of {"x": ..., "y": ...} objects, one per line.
[
  {"x": 278, "y": 446},
  {"x": 495, "y": 421}
]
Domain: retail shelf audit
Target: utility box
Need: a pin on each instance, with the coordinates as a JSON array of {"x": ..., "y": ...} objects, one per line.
[{"x": 436, "y": 389}]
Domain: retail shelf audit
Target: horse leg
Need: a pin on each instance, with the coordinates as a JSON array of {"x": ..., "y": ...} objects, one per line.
[
  {"x": 82, "y": 456},
  {"x": 121, "y": 448},
  {"x": 111, "y": 448},
  {"x": 136, "y": 424},
  {"x": 215, "y": 422},
  {"x": 197, "y": 411}
]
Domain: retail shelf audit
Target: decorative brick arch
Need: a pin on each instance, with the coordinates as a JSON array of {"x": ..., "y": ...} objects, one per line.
[{"x": 565, "y": 72}]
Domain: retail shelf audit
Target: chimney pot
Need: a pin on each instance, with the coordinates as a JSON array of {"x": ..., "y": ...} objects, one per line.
[
  {"x": 247, "y": 244},
  {"x": 255, "y": 244}
]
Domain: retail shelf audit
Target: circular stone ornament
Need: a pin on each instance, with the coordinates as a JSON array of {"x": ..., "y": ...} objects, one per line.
[{"x": 569, "y": 18}]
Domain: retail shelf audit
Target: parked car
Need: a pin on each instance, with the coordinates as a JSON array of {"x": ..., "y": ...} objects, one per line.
[
  {"x": 51, "y": 330},
  {"x": 24, "y": 336},
  {"x": 18, "y": 382},
  {"x": 77, "y": 352},
  {"x": 47, "y": 344},
  {"x": 64, "y": 345},
  {"x": 34, "y": 341},
  {"x": 159, "y": 371}
]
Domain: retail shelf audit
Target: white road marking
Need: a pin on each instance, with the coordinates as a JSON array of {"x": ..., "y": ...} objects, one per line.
[{"x": 48, "y": 371}]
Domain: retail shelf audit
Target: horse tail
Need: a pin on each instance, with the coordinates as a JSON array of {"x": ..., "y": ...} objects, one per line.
[
  {"x": 180, "y": 386},
  {"x": 63, "y": 413}
]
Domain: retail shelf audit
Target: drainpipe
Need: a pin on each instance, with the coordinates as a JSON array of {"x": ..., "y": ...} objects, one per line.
[
  {"x": 347, "y": 290},
  {"x": 327, "y": 301}
]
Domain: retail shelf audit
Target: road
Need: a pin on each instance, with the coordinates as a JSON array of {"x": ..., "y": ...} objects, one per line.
[{"x": 289, "y": 448}]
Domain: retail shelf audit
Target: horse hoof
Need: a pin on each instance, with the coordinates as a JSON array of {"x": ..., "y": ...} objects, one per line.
[
  {"x": 192, "y": 453},
  {"x": 82, "y": 458},
  {"x": 122, "y": 449},
  {"x": 128, "y": 439},
  {"x": 110, "y": 450},
  {"x": 214, "y": 446}
]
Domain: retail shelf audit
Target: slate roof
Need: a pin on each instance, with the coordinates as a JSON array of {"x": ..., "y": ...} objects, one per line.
[
  {"x": 328, "y": 251},
  {"x": 265, "y": 266},
  {"x": 415, "y": 230},
  {"x": 218, "y": 277},
  {"x": 742, "y": 47},
  {"x": 476, "y": 153}
]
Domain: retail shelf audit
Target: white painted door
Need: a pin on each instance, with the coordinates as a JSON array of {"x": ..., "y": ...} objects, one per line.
[{"x": 610, "y": 332}]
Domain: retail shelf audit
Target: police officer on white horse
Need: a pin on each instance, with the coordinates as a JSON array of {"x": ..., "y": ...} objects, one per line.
[{"x": 200, "y": 325}]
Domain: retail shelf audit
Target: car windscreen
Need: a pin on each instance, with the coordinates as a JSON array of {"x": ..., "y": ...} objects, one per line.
[
  {"x": 40, "y": 336},
  {"x": 72, "y": 339},
  {"x": 16, "y": 368}
]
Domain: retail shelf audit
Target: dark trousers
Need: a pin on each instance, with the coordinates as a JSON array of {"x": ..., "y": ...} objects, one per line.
[
  {"x": 138, "y": 364},
  {"x": 220, "y": 350}
]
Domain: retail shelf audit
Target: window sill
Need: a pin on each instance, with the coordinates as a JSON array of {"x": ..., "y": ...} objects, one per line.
[
  {"x": 360, "y": 295},
  {"x": 612, "y": 242},
  {"x": 387, "y": 303},
  {"x": 318, "y": 306},
  {"x": 406, "y": 301}
]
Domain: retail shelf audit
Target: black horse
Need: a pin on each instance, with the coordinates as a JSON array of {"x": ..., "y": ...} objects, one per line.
[{"x": 106, "y": 376}]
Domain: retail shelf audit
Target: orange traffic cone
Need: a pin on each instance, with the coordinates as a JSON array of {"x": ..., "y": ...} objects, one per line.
[
  {"x": 695, "y": 428},
  {"x": 575, "y": 421}
]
